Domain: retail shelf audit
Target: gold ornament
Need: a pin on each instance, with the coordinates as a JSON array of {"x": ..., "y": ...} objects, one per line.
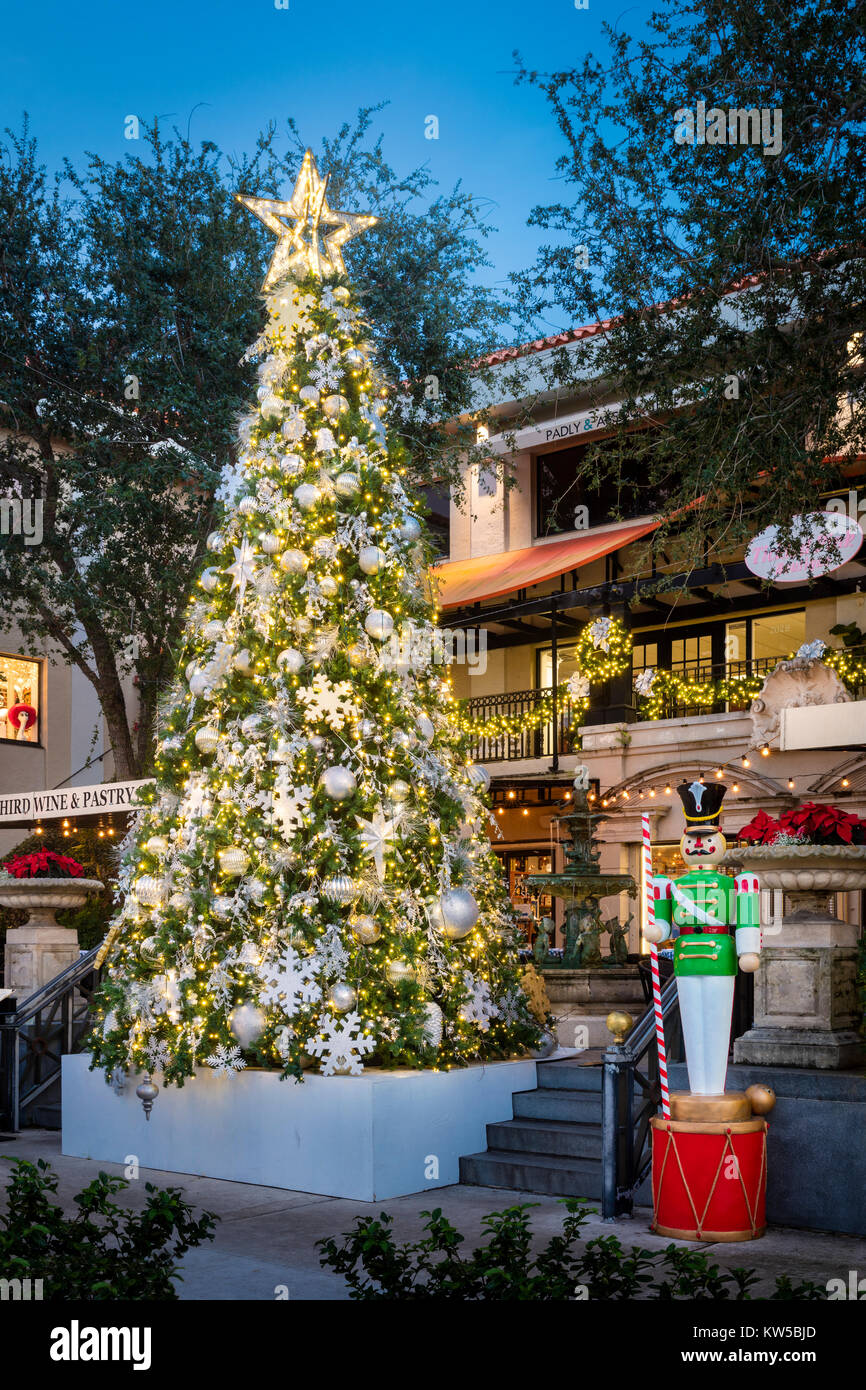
[
  {"x": 536, "y": 993},
  {"x": 306, "y": 248},
  {"x": 620, "y": 1023},
  {"x": 761, "y": 1098}
]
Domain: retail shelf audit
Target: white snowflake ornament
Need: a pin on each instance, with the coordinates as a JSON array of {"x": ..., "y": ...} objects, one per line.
[{"x": 341, "y": 1043}]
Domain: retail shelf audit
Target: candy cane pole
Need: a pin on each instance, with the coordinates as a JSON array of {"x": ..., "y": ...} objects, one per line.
[{"x": 649, "y": 898}]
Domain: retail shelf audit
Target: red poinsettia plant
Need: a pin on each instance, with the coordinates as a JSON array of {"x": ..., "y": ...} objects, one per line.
[
  {"x": 44, "y": 864},
  {"x": 811, "y": 823}
]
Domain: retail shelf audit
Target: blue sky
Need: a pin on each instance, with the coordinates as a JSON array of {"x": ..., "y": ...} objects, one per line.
[{"x": 80, "y": 69}]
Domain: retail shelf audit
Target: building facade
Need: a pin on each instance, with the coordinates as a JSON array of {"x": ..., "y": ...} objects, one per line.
[{"x": 530, "y": 566}]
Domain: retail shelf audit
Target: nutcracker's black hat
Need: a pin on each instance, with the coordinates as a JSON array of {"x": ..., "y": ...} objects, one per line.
[{"x": 702, "y": 804}]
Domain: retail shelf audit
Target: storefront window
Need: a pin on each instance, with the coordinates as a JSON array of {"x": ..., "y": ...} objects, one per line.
[
  {"x": 529, "y": 906},
  {"x": 19, "y": 699},
  {"x": 764, "y": 640}
]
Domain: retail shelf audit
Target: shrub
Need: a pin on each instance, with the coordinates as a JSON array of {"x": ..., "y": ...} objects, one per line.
[
  {"x": 505, "y": 1268},
  {"x": 103, "y": 1252}
]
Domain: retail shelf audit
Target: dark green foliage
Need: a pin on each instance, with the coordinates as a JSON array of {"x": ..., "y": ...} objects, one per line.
[
  {"x": 105, "y": 1251},
  {"x": 749, "y": 404},
  {"x": 506, "y": 1267},
  {"x": 128, "y": 293}
]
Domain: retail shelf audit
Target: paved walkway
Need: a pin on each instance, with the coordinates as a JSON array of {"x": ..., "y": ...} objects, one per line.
[{"x": 266, "y": 1236}]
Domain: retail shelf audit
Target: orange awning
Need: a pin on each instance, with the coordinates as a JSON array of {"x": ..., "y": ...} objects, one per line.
[{"x": 470, "y": 581}]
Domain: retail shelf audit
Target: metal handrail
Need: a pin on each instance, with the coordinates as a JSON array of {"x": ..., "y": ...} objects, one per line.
[
  {"x": 47, "y": 993},
  {"x": 19, "y": 1055},
  {"x": 626, "y": 1156}
]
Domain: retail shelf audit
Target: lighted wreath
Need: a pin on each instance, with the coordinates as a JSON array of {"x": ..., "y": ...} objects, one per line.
[{"x": 604, "y": 650}]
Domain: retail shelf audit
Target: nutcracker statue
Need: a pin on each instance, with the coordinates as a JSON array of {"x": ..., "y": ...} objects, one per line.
[{"x": 709, "y": 1156}]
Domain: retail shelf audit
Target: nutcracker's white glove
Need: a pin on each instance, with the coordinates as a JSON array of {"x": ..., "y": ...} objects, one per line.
[
  {"x": 749, "y": 961},
  {"x": 658, "y": 931}
]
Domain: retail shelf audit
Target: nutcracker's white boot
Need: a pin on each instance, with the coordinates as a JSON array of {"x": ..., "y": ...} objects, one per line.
[{"x": 706, "y": 1002}]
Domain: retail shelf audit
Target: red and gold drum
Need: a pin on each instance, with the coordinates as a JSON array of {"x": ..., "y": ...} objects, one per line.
[{"x": 709, "y": 1179}]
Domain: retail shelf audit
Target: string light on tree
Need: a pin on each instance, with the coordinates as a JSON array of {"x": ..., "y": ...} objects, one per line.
[{"x": 310, "y": 793}]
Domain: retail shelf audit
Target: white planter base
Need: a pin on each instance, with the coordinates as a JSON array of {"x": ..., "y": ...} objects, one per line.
[{"x": 370, "y": 1137}]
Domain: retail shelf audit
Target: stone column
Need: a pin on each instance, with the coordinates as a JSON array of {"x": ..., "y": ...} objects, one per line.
[
  {"x": 40, "y": 950},
  {"x": 806, "y": 1007}
]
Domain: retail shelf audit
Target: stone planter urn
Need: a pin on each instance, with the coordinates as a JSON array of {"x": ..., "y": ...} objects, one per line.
[
  {"x": 41, "y": 949},
  {"x": 806, "y": 1006}
]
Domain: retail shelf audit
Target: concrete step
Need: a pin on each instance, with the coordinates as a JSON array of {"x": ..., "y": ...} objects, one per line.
[
  {"x": 568, "y": 1076},
  {"x": 533, "y": 1137},
  {"x": 555, "y": 1177},
  {"x": 583, "y": 1107}
]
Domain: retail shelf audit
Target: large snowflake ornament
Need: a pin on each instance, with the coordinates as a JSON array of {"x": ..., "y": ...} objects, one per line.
[
  {"x": 290, "y": 804},
  {"x": 290, "y": 981},
  {"x": 341, "y": 1042},
  {"x": 330, "y": 701},
  {"x": 226, "y": 1060},
  {"x": 479, "y": 1007}
]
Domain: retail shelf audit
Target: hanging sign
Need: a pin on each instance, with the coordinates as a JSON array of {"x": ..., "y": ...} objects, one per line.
[
  {"x": 821, "y": 542},
  {"x": 71, "y": 801}
]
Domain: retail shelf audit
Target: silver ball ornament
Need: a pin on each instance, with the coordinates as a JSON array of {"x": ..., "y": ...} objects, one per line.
[
  {"x": 338, "y": 782},
  {"x": 209, "y": 580},
  {"x": 378, "y": 624},
  {"x": 342, "y": 997},
  {"x": 371, "y": 559},
  {"x": 547, "y": 1045},
  {"x": 293, "y": 561},
  {"x": 459, "y": 913},
  {"x": 399, "y": 790},
  {"x": 247, "y": 1022},
  {"x": 306, "y": 496},
  {"x": 291, "y": 660},
  {"x": 409, "y": 529},
  {"x": 347, "y": 484},
  {"x": 340, "y": 888}
]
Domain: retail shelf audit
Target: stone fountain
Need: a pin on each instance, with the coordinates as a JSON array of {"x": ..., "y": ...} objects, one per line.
[{"x": 585, "y": 985}]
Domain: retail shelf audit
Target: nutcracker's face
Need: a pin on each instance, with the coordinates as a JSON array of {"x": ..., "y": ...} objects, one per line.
[{"x": 703, "y": 848}]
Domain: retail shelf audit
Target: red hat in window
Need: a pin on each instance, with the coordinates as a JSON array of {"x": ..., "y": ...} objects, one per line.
[{"x": 19, "y": 714}]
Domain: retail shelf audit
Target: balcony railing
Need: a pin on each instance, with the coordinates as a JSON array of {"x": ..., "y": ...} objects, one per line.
[
  {"x": 528, "y": 722},
  {"x": 520, "y": 725}
]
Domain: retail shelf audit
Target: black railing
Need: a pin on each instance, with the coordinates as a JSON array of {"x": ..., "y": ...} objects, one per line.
[
  {"x": 531, "y": 711},
  {"x": 630, "y": 1096},
  {"x": 35, "y": 1035}
]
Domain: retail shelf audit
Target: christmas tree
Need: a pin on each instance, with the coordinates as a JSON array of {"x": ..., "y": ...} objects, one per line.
[{"x": 310, "y": 882}]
